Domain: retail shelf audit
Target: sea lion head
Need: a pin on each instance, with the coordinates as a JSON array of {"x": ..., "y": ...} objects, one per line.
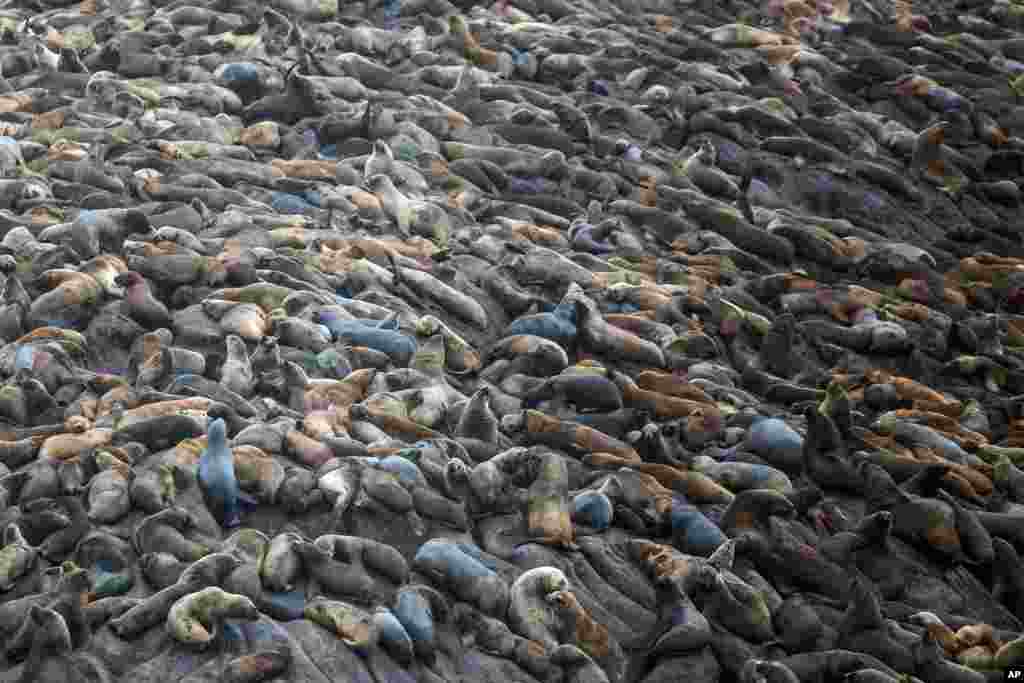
[
  {"x": 379, "y": 183},
  {"x": 381, "y": 147},
  {"x": 216, "y": 431},
  {"x": 562, "y": 600}
]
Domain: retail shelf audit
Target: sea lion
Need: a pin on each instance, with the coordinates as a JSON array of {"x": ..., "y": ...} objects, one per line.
[
  {"x": 139, "y": 303},
  {"x": 478, "y": 420},
  {"x": 62, "y": 542},
  {"x": 161, "y": 569},
  {"x": 548, "y": 517},
  {"x": 16, "y": 557},
  {"x": 825, "y": 454},
  {"x": 585, "y": 391},
  {"x": 380, "y": 160},
  {"x": 237, "y": 372},
  {"x": 153, "y": 489},
  {"x": 164, "y": 532},
  {"x": 67, "y": 598},
  {"x": 864, "y": 630},
  {"x": 108, "y": 496},
  {"x": 701, "y": 168},
  {"x": 297, "y": 493},
  {"x": 418, "y": 607},
  {"x": 258, "y": 666},
  {"x": 334, "y": 577},
  {"x": 216, "y": 477},
  {"x": 195, "y": 619},
  {"x": 281, "y": 564},
  {"x": 396, "y": 205},
  {"x": 872, "y": 531},
  {"x": 533, "y": 605},
  {"x": 50, "y": 638},
  {"x": 932, "y": 665},
  {"x": 393, "y": 637},
  {"x": 462, "y": 573},
  {"x": 929, "y": 160},
  {"x": 1008, "y": 581},
  {"x": 761, "y": 671},
  {"x": 728, "y": 600},
  {"x": 354, "y": 625},
  {"x": 208, "y": 571},
  {"x": 750, "y": 510}
]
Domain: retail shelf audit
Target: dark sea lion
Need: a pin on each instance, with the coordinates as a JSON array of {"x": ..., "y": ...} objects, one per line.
[{"x": 139, "y": 302}]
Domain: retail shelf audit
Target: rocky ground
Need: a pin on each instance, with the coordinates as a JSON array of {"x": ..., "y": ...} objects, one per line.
[{"x": 542, "y": 341}]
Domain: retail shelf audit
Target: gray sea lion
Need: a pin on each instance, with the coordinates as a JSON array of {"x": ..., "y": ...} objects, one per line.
[
  {"x": 236, "y": 372},
  {"x": 282, "y": 563},
  {"x": 380, "y": 160},
  {"x": 478, "y": 421}
]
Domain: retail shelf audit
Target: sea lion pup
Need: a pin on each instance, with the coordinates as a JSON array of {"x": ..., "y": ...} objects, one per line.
[{"x": 139, "y": 303}]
